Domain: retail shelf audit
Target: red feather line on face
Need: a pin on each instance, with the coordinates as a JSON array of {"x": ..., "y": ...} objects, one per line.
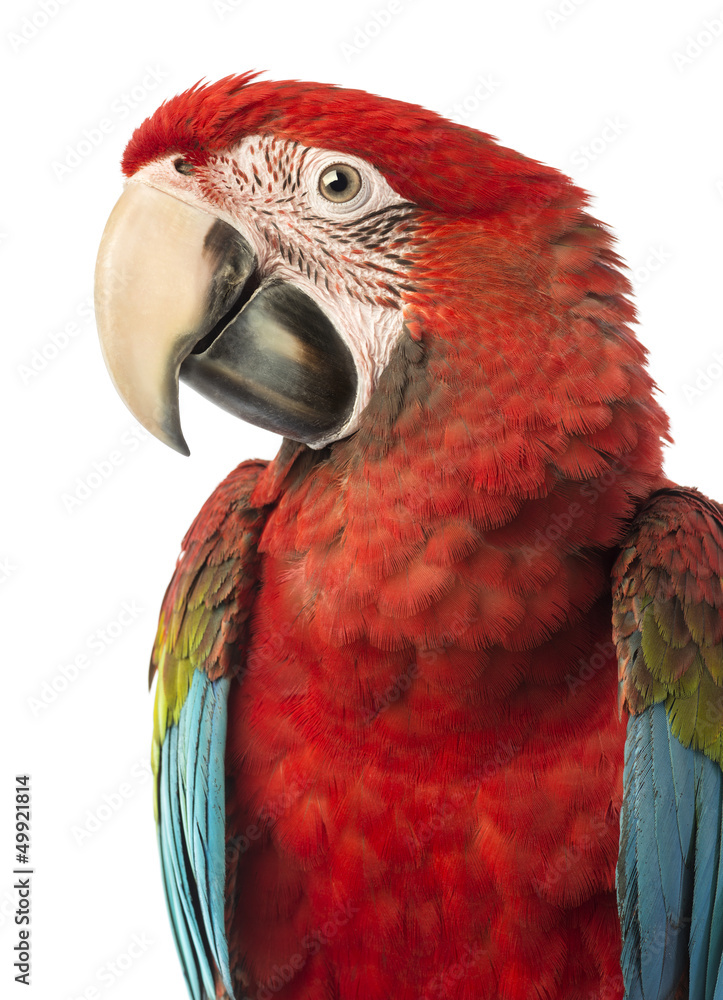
[{"x": 424, "y": 157}]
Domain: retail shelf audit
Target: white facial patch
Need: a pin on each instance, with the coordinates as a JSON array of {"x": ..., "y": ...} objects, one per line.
[{"x": 352, "y": 257}]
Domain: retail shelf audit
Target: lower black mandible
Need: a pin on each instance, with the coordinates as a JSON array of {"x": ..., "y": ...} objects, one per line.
[{"x": 279, "y": 364}]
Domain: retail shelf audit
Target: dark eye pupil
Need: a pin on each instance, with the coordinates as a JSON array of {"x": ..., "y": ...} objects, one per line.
[
  {"x": 340, "y": 183},
  {"x": 337, "y": 181}
]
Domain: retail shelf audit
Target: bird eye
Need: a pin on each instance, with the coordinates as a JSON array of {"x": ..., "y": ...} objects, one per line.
[
  {"x": 182, "y": 166},
  {"x": 340, "y": 182}
]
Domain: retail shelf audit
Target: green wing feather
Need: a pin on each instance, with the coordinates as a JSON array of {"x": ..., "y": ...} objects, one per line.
[
  {"x": 204, "y": 615},
  {"x": 199, "y": 653},
  {"x": 668, "y": 626},
  {"x": 668, "y": 616}
]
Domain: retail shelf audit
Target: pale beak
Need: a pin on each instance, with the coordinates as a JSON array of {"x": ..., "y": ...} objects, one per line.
[
  {"x": 166, "y": 273},
  {"x": 178, "y": 294}
]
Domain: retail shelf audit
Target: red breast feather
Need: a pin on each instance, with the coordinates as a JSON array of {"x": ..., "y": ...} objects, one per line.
[{"x": 425, "y": 758}]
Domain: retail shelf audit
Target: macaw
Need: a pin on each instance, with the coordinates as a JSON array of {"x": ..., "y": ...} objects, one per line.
[{"x": 439, "y": 703}]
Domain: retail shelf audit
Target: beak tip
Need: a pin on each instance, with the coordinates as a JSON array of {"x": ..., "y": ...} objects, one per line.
[{"x": 174, "y": 438}]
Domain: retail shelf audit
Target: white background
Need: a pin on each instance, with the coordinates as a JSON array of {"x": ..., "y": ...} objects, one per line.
[{"x": 546, "y": 78}]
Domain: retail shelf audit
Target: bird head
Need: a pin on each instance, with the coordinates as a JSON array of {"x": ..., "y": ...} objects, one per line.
[{"x": 292, "y": 250}]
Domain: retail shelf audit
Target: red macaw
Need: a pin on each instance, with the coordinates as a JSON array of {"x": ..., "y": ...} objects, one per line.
[{"x": 391, "y": 709}]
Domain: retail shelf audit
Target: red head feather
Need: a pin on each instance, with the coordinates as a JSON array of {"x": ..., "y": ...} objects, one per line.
[{"x": 423, "y": 156}]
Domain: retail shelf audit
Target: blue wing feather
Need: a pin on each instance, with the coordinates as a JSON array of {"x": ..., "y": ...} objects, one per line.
[
  {"x": 627, "y": 869},
  {"x": 175, "y": 878},
  {"x": 202, "y": 633},
  {"x": 715, "y": 947},
  {"x": 216, "y": 825},
  {"x": 673, "y": 783},
  {"x": 669, "y": 875},
  {"x": 707, "y": 859},
  {"x": 192, "y": 833}
]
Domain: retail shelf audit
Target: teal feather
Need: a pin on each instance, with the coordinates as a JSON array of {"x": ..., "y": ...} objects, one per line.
[
  {"x": 183, "y": 923},
  {"x": 192, "y": 833},
  {"x": 670, "y": 873},
  {"x": 707, "y": 864}
]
